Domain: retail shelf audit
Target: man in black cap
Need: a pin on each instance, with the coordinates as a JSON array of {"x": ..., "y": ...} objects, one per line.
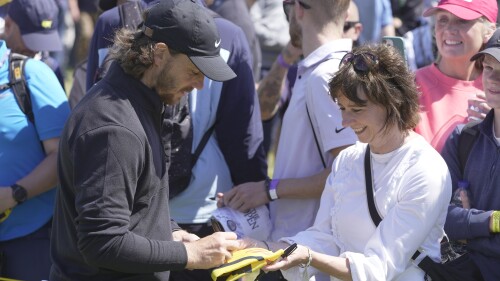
[
  {"x": 31, "y": 30},
  {"x": 112, "y": 218}
]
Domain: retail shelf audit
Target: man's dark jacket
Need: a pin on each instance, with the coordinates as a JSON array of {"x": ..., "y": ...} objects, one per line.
[{"x": 111, "y": 220}]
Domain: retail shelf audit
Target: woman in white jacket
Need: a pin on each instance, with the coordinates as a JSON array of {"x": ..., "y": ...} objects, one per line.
[{"x": 378, "y": 99}]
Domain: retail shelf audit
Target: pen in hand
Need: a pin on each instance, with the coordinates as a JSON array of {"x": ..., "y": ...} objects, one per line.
[
  {"x": 217, "y": 227},
  {"x": 289, "y": 250}
]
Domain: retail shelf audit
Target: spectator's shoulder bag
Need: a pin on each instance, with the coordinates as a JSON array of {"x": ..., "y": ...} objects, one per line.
[{"x": 450, "y": 271}]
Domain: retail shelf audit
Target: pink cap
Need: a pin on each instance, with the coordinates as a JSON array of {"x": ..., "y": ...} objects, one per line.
[{"x": 467, "y": 9}]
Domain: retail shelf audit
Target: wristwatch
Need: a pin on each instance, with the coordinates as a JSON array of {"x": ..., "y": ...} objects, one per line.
[{"x": 19, "y": 193}]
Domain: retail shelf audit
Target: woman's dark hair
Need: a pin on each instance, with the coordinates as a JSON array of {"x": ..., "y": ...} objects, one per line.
[{"x": 382, "y": 74}]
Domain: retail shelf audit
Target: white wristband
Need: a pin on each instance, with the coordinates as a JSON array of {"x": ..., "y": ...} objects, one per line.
[{"x": 272, "y": 189}]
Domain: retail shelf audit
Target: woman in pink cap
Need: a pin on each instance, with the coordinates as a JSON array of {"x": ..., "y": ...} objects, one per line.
[{"x": 462, "y": 28}]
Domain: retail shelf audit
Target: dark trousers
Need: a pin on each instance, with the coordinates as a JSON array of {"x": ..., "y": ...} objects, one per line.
[
  {"x": 27, "y": 258},
  {"x": 272, "y": 276}
]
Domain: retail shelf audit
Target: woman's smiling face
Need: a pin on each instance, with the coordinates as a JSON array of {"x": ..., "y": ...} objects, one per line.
[
  {"x": 367, "y": 121},
  {"x": 458, "y": 38}
]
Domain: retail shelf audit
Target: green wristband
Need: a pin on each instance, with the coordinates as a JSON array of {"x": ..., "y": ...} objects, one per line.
[{"x": 495, "y": 226}]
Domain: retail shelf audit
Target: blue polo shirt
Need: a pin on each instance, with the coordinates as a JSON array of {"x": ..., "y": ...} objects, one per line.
[{"x": 20, "y": 148}]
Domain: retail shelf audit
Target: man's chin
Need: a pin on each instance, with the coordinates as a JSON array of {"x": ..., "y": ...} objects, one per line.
[{"x": 172, "y": 100}]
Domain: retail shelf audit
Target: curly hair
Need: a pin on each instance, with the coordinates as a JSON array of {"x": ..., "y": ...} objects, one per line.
[
  {"x": 387, "y": 82},
  {"x": 133, "y": 50}
]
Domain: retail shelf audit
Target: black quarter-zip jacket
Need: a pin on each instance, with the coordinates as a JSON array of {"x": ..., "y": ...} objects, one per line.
[{"x": 111, "y": 219}]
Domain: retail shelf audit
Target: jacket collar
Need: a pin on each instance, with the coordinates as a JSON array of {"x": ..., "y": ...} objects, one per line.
[{"x": 133, "y": 88}]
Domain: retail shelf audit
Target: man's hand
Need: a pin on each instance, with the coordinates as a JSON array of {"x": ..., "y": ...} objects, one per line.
[
  {"x": 184, "y": 236},
  {"x": 211, "y": 251},
  {"x": 244, "y": 197}
]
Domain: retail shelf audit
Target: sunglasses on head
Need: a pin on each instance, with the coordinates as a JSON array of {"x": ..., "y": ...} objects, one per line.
[
  {"x": 288, "y": 4},
  {"x": 362, "y": 62},
  {"x": 349, "y": 24}
]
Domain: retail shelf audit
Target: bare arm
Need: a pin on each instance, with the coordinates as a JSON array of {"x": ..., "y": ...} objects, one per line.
[
  {"x": 74, "y": 10},
  {"x": 40, "y": 180},
  {"x": 253, "y": 194},
  {"x": 388, "y": 30},
  {"x": 269, "y": 89}
]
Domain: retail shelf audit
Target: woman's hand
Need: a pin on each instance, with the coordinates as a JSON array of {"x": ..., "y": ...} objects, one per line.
[{"x": 299, "y": 256}]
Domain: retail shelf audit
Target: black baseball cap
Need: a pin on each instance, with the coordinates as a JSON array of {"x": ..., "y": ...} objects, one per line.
[
  {"x": 492, "y": 47},
  {"x": 37, "y": 21},
  {"x": 187, "y": 27},
  {"x": 105, "y": 5}
]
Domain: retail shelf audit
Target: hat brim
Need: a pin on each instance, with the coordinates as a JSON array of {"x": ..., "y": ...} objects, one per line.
[
  {"x": 43, "y": 41},
  {"x": 459, "y": 11},
  {"x": 495, "y": 52},
  {"x": 215, "y": 68}
]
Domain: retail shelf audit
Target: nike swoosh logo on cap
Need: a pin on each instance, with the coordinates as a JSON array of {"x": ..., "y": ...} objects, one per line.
[
  {"x": 217, "y": 43},
  {"x": 338, "y": 131}
]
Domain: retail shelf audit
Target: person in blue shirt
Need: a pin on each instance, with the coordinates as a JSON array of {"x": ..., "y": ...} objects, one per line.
[
  {"x": 28, "y": 174},
  {"x": 376, "y": 17},
  {"x": 479, "y": 225}
]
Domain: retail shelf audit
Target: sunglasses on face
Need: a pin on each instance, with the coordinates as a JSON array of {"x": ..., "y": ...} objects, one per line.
[
  {"x": 288, "y": 5},
  {"x": 349, "y": 24},
  {"x": 362, "y": 62}
]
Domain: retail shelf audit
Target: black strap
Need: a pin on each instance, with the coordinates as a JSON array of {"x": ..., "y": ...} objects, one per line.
[
  {"x": 16, "y": 81},
  {"x": 201, "y": 145},
  {"x": 315, "y": 138},
  {"x": 130, "y": 14},
  {"x": 369, "y": 194},
  {"x": 466, "y": 140},
  {"x": 369, "y": 189}
]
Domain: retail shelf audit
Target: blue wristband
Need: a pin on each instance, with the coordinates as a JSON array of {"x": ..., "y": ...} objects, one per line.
[{"x": 282, "y": 62}]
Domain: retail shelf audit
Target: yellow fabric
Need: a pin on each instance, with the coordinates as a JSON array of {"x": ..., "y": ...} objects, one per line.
[
  {"x": 496, "y": 222},
  {"x": 3, "y": 2},
  {"x": 5, "y": 215},
  {"x": 244, "y": 262}
]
